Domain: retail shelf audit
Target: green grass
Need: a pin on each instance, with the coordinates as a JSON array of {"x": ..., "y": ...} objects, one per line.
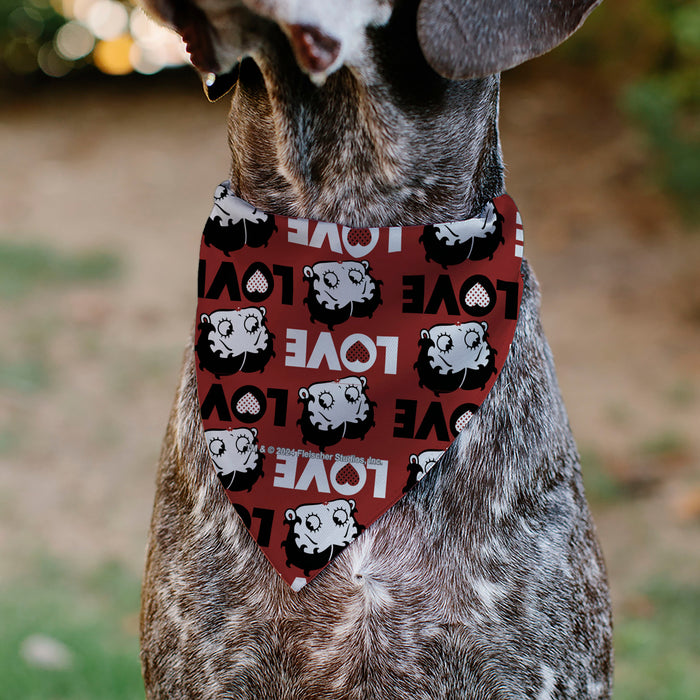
[
  {"x": 25, "y": 376},
  {"x": 602, "y": 487},
  {"x": 95, "y": 618},
  {"x": 664, "y": 445},
  {"x": 681, "y": 394},
  {"x": 25, "y": 267},
  {"x": 658, "y": 651}
]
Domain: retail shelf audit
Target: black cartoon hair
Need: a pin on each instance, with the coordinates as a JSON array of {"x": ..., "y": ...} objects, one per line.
[
  {"x": 440, "y": 383},
  {"x": 307, "y": 561},
  {"x": 212, "y": 361},
  {"x": 353, "y": 309},
  {"x": 413, "y": 469},
  {"x": 326, "y": 438},
  {"x": 243, "y": 481},
  {"x": 231, "y": 237},
  {"x": 473, "y": 249}
]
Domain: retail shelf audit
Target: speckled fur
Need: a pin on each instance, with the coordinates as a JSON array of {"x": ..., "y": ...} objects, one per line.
[{"x": 486, "y": 580}]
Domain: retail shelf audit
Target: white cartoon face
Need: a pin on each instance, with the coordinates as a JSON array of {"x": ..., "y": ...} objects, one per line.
[
  {"x": 232, "y": 450},
  {"x": 425, "y": 461},
  {"x": 230, "y": 209},
  {"x": 318, "y": 526},
  {"x": 237, "y": 332},
  {"x": 458, "y": 347},
  {"x": 332, "y": 404},
  {"x": 472, "y": 229},
  {"x": 337, "y": 284}
]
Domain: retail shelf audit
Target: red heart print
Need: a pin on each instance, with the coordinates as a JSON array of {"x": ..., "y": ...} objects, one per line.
[
  {"x": 462, "y": 421},
  {"x": 348, "y": 475},
  {"x": 248, "y": 404},
  {"x": 357, "y": 352},
  {"x": 257, "y": 283},
  {"x": 477, "y": 296},
  {"x": 359, "y": 236}
]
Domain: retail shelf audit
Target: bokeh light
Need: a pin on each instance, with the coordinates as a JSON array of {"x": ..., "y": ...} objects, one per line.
[
  {"x": 20, "y": 55},
  {"x": 107, "y": 19},
  {"x": 112, "y": 55},
  {"x": 26, "y": 20},
  {"x": 58, "y": 36},
  {"x": 52, "y": 63},
  {"x": 74, "y": 40}
]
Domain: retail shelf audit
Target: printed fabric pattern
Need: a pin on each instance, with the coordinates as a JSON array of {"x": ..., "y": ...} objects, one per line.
[{"x": 335, "y": 364}]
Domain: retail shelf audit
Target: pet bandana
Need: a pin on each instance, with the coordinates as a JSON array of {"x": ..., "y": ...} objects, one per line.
[{"x": 336, "y": 364}]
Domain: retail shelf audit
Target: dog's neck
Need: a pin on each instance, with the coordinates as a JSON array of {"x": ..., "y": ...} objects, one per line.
[{"x": 386, "y": 143}]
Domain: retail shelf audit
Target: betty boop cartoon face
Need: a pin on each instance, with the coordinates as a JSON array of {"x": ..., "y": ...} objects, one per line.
[
  {"x": 234, "y": 223},
  {"x": 474, "y": 239},
  {"x": 419, "y": 465},
  {"x": 233, "y": 341},
  {"x": 455, "y": 357},
  {"x": 339, "y": 290},
  {"x": 237, "y": 461},
  {"x": 319, "y": 531},
  {"x": 335, "y": 410}
]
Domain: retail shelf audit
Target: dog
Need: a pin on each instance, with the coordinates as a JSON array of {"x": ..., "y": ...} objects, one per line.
[{"x": 486, "y": 579}]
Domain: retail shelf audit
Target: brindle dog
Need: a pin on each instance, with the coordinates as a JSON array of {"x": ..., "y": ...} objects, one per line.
[{"x": 486, "y": 580}]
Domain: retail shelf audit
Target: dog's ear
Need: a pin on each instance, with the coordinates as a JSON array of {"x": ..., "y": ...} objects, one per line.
[{"x": 472, "y": 38}]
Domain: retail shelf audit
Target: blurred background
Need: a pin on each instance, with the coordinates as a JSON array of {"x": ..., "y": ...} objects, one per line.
[{"x": 109, "y": 154}]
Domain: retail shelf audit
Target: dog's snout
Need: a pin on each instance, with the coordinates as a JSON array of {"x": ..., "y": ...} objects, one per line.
[{"x": 315, "y": 51}]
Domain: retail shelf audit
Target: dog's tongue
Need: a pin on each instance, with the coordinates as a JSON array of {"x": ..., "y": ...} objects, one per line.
[{"x": 314, "y": 50}]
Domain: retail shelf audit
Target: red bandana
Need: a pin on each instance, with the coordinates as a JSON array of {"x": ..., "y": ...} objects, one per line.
[{"x": 336, "y": 364}]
